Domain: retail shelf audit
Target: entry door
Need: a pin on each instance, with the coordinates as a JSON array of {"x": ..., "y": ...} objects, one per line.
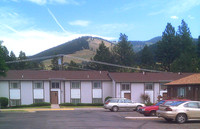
[
  {"x": 127, "y": 95},
  {"x": 54, "y": 97}
]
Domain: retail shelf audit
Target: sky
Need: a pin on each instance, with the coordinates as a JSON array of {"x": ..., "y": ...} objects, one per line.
[{"x": 33, "y": 26}]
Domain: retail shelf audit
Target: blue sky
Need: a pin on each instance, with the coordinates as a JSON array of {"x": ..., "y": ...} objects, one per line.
[{"x": 36, "y": 25}]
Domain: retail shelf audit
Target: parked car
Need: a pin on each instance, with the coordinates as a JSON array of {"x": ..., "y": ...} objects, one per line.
[
  {"x": 114, "y": 104},
  {"x": 180, "y": 111},
  {"x": 151, "y": 110}
]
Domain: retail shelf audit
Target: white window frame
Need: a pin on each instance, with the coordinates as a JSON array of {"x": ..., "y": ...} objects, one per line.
[
  {"x": 15, "y": 82},
  {"x": 125, "y": 86},
  {"x": 76, "y": 86},
  {"x": 36, "y": 86},
  {"x": 97, "y": 87},
  {"x": 147, "y": 87},
  {"x": 55, "y": 82}
]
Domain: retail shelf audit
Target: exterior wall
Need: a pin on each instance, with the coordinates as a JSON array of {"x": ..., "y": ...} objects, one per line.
[
  {"x": 26, "y": 92},
  {"x": 118, "y": 95},
  {"x": 136, "y": 90},
  {"x": 4, "y": 89},
  {"x": 156, "y": 92},
  {"x": 107, "y": 89},
  {"x": 113, "y": 89},
  {"x": 46, "y": 91},
  {"x": 86, "y": 92},
  {"x": 67, "y": 92},
  {"x": 62, "y": 91}
]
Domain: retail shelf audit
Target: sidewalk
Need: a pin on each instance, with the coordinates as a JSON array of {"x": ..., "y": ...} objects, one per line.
[{"x": 47, "y": 109}]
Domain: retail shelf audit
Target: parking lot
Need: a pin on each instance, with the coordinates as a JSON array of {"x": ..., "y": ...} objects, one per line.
[{"x": 87, "y": 119}]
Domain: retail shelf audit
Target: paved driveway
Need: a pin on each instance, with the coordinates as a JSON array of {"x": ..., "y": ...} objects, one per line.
[{"x": 85, "y": 119}]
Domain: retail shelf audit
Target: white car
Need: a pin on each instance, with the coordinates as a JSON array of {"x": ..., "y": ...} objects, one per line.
[{"x": 114, "y": 104}]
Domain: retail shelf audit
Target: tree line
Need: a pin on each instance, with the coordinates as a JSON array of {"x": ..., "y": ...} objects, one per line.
[{"x": 176, "y": 52}]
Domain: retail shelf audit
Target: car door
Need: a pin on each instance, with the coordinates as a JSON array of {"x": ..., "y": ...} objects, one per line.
[
  {"x": 129, "y": 103},
  {"x": 192, "y": 110},
  {"x": 121, "y": 103}
]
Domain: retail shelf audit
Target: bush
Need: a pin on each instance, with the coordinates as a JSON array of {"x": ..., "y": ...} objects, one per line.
[
  {"x": 3, "y": 102},
  {"x": 81, "y": 104},
  {"x": 33, "y": 105},
  {"x": 107, "y": 98},
  {"x": 149, "y": 104},
  {"x": 41, "y": 104}
]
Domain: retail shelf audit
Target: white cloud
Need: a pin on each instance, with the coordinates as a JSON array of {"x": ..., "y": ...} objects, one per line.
[
  {"x": 174, "y": 17},
  {"x": 80, "y": 23},
  {"x": 34, "y": 41}
]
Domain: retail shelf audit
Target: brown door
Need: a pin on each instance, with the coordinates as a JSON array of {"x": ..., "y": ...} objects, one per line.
[
  {"x": 127, "y": 95},
  {"x": 54, "y": 97}
]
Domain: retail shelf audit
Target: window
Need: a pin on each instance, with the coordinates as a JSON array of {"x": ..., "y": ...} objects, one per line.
[
  {"x": 127, "y": 101},
  {"x": 96, "y": 85},
  {"x": 75, "y": 85},
  {"x": 14, "y": 85},
  {"x": 97, "y": 100},
  {"x": 37, "y": 85},
  {"x": 149, "y": 86},
  {"x": 14, "y": 102},
  {"x": 181, "y": 92},
  {"x": 192, "y": 105},
  {"x": 55, "y": 85},
  {"x": 163, "y": 87},
  {"x": 125, "y": 86},
  {"x": 75, "y": 100},
  {"x": 38, "y": 100}
]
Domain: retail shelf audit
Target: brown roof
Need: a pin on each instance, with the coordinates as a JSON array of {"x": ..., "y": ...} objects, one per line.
[
  {"x": 147, "y": 77},
  {"x": 192, "y": 79},
  {"x": 55, "y": 75}
]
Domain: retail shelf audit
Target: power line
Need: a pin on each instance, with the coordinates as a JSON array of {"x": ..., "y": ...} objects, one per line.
[{"x": 79, "y": 58}]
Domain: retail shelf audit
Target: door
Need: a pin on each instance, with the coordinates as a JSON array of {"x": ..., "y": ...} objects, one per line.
[
  {"x": 127, "y": 95},
  {"x": 54, "y": 97},
  {"x": 193, "y": 109}
]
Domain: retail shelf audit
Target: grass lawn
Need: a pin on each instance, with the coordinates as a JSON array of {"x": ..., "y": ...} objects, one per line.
[
  {"x": 28, "y": 107},
  {"x": 13, "y": 111},
  {"x": 81, "y": 106}
]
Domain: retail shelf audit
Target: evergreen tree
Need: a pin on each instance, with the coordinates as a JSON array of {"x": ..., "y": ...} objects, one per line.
[
  {"x": 123, "y": 52},
  {"x": 167, "y": 51},
  {"x": 73, "y": 66},
  {"x": 3, "y": 66},
  {"x": 198, "y": 47},
  {"x": 12, "y": 58},
  {"x": 188, "y": 61},
  {"x": 54, "y": 64},
  {"x": 147, "y": 59}
]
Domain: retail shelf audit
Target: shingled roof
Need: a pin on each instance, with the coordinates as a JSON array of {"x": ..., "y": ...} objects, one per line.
[
  {"x": 55, "y": 75},
  {"x": 147, "y": 77},
  {"x": 189, "y": 80}
]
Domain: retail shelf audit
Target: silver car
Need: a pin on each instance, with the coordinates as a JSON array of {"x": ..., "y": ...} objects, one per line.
[
  {"x": 114, "y": 104},
  {"x": 180, "y": 111}
]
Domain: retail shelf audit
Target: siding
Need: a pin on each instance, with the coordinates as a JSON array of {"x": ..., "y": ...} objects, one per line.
[
  {"x": 137, "y": 89},
  {"x": 4, "y": 89},
  {"x": 26, "y": 92},
  {"x": 86, "y": 92},
  {"x": 46, "y": 91},
  {"x": 107, "y": 89},
  {"x": 67, "y": 92}
]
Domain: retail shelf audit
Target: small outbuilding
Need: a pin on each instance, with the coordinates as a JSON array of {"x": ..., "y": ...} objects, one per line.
[{"x": 186, "y": 87}]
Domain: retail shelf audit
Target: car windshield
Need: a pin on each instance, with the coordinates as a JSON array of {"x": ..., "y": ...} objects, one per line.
[
  {"x": 159, "y": 103},
  {"x": 177, "y": 103}
]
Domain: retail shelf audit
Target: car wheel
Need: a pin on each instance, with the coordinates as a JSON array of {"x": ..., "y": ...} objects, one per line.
[
  {"x": 153, "y": 113},
  {"x": 181, "y": 118},
  {"x": 168, "y": 119},
  {"x": 137, "y": 108},
  {"x": 115, "y": 109}
]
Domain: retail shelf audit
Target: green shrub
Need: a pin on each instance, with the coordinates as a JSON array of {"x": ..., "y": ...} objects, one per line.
[
  {"x": 3, "y": 102},
  {"x": 41, "y": 104},
  {"x": 107, "y": 98},
  {"x": 149, "y": 104},
  {"x": 81, "y": 104}
]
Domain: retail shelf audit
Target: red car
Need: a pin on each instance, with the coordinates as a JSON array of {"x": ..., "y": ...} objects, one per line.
[{"x": 151, "y": 110}]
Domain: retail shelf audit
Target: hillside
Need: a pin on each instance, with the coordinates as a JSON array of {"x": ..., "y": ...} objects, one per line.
[{"x": 139, "y": 45}]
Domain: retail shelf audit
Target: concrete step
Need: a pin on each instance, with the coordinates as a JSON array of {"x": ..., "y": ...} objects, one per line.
[{"x": 55, "y": 106}]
